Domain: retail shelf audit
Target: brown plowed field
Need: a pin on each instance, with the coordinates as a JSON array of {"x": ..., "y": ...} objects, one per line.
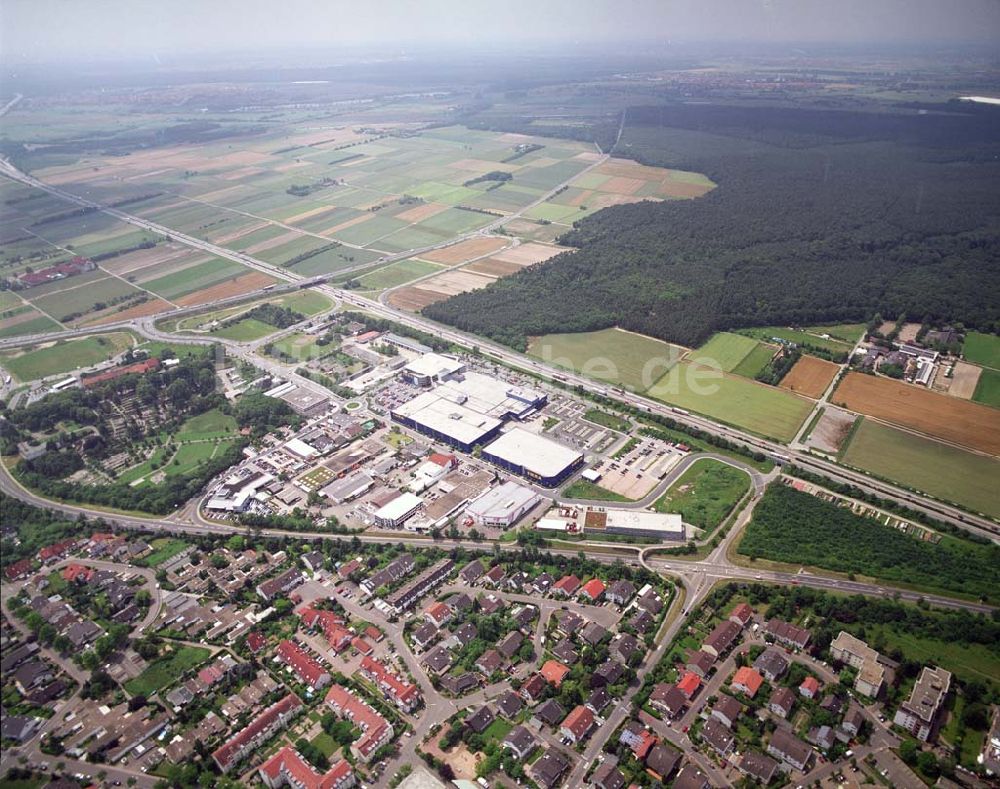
[
  {"x": 529, "y": 254},
  {"x": 465, "y": 250},
  {"x": 138, "y": 311},
  {"x": 949, "y": 418},
  {"x": 492, "y": 267},
  {"x": 414, "y": 299},
  {"x": 810, "y": 376},
  {"x": 233, "y": 287},
  {"x": 421, "y": 212}
]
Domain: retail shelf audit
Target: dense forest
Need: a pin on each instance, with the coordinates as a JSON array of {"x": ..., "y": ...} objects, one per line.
[
  {"x": 820, "y": 216},
  {"x": 791, "y": 526}
]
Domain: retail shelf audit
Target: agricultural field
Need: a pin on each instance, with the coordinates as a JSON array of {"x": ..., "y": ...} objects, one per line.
[
  {"x": 810, "y": 376},
  {"x": 396, "y": 274},
  {"x": 920, "y": 463},
  {"x": 705, "y": 494},
  {"x": 963, "y": 381},
  {"x": 982, "y": 349},
  {"x": 958, "y": 421},
  {"x": 63, "y": 356},
  {"x": 726, "y": 351},
  {"x": 988, "y": 388},
  {"x": 755, "y": 361},
  {"x": 811, "y": 337},
  {"x": 18, "y": 318},
  {"x": 765, "y": 410},
  {"x": 615, "y": 356}
]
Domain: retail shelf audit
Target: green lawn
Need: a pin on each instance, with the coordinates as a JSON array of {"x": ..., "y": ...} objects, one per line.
[
  {"x": 209, "y": 425},
  {"x": 705, "y": 494},
  {"x": 585, "y": 489},
  {"x": 803, "y": 337},
  {"x": 755, "y": 361},
  {"x": 164, "y": 549},
  {"x": 982, "y": 349},
  {"x": 244, "y": 330},
  {"x": 943, "y": 471},
  {"x": 604, "y": 419},
  {"x": 765, "y": 410},
  {"x": 65, "y": 355},
  {"x": 848, "y": 332},
  {"x": 988, "y": 387},
  {"x": 725, "y": 349},
  {"x": 967, "y": 661},
  {"x": 40, "y": 323},
  {"x": 497, "y": 730},
  {"x": 615, "y": 356},
  {"x": 165, "y": 670},
  {"x": 324, "y": 743},
  {"x": 190, "y": 456}
]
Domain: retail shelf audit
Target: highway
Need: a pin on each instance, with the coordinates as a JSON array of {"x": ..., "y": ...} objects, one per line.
[{"x": 976, "y": 524}]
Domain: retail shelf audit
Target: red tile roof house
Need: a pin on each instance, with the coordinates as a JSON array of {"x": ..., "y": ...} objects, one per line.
[
  {"x": 373, "y": 634},
  {"x": 337, "y": 636},
  {"x": 438, "y": 614},
  {"x": 376, "y": 730},
  {"x": 363, "y": 647},
  {"x": 303, "y": 665},
  {"x": 809, "y": 687},
  {"x": 77, "y": 572},
  {"x": 287, "y": 767},
  {"x": 404, "y": 695},
  {"x": 741, "y": 615},
  {"x": 689, "y": 684},
  {"x": 746, "y": 681},
  {"x": 554, "y": 672},
  {"x": 533, "y": 688},
  {"x": 577, "y": 724},
  {"x": 18, "y": 570},
  {"x": 257, "y": 732},
  {"x": 256, "y": 641},
  {"x": 593, "y": 590},
  {"x": 57, "y": 550},
  {"x": 566, "y": 586}
]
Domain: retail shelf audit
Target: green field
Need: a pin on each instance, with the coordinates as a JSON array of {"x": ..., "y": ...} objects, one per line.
[
  {"x": 587, "y": 490},
  {"x": 164, "y": 549},
  {"x": 65, "y": 355},
  {"x": 982, "y": 349},
  {"x": 705, "y": 494},
  {"x": 988, "y": 388},
  {"x": 397, "y": 274},
  {"x": 970, "y": 662},
  {"x": 804, "y": 337},
  {"x": 725, "y": 349},
  {"x": 209, "y": 425},
  {"x": 78, "y": 300},
  {"x": 167, "y": 669},
  {"x": 848, "y": 332},
  {"x": 244, "y": 330},
  {"x": 40, "y": 323},
  {"x": 189, "y": 280},
  {"x": 761, "y": 409},
  {"x": 604, "y": 419},
  {"x": 300, "y": 347},
  {"x": 755, "y": 361},
  {"x": 943, "y": 471},
  {"x": 612, "y": 355}
]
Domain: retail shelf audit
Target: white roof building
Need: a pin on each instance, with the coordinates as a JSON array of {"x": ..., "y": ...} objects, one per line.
[
  {"x": 398, "y": 510},
  {"x": 533, "y": 456},
  {"x": 503, "y": 505},
  {"x": 432, "y": 367}
]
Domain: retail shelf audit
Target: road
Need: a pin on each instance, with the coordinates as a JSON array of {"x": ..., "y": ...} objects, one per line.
[{"x": 975, "y": 523}]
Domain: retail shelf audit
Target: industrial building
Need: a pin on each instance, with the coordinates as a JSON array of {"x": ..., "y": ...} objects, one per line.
[
  {"x": 302, "y": 401},
  {"x": 467, "y": 408},
  {"x": 635, "y": 523},
  {"x": 534, "y": 457},
  {"x": 431, "y": 368},
  {"x": 348, "y": 488},
  {"x": 504, "y": 505},
  {"x": 397, "y": 511}
]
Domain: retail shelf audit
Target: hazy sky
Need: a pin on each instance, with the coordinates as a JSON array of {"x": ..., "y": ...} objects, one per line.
[{"x": 38, "y": 30}]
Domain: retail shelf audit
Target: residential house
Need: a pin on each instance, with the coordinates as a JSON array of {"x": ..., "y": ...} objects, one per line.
[
  {"x": 772, "y": 664},
  {"x": 598, "y": 700},
  {"x": 746, "y": 681},
  {"x": 548, "y": 713},
  {"x": 741, "y": 614},
  {"x": 490, "y": 662},
  {"x": 554, "y": 672},
  {"x": 438, "y": 614},
  {"x": 533, "y": 688},
  {"x": 688, "y": 684},
  {"x": 700, "y": 663},
  {"x": 305, "y": 667},
  {"x": 577, "y": 725},
  {"x": 918, "y": 714},
  {"x": 567, "y": 586},
  {"x": 510, "y": 644},
  {"x": 510, "y": 704},
  {"x": 620, "y": 592},
  {"x": 848, "y": 649},
  {"x": 376, "y": 731},
  {"x": 607, "y": 776},
  {"x": 727, "y": 710},
  {"x": 548, "y": 770},
  {"x": 256, "y": 733},
  {"x": 781, "y": 702},
  {"x": 784, "y": 745},
  {"x": 668, "y": 699},
  {"x": 788, "y": 634},
  {"x": 592, "y": 591},
  {"x": 403, "y": 694},
  {"x": 718, "y": 736},
  {"x": 721, "y": 639},
  {"x": 480, "y": 720},
  {"x": 758, "y": 766},
  {"x": 520, "y": 742},
  {"x": 661, "y": 761},
  {"x": 593, "y": 633},
  {"x": 809, "y": 687},
  {"x": 691, "y": 777}
]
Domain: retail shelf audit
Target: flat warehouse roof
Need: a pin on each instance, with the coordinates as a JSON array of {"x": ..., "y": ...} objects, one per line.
[
  {"x": 502, "y": 500},
  {"x": 647, "y": 521},
  {"x": 537, "y": 454},
  {"x": 433, "y": 364},
  {"x": 447, "y": 417}
]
